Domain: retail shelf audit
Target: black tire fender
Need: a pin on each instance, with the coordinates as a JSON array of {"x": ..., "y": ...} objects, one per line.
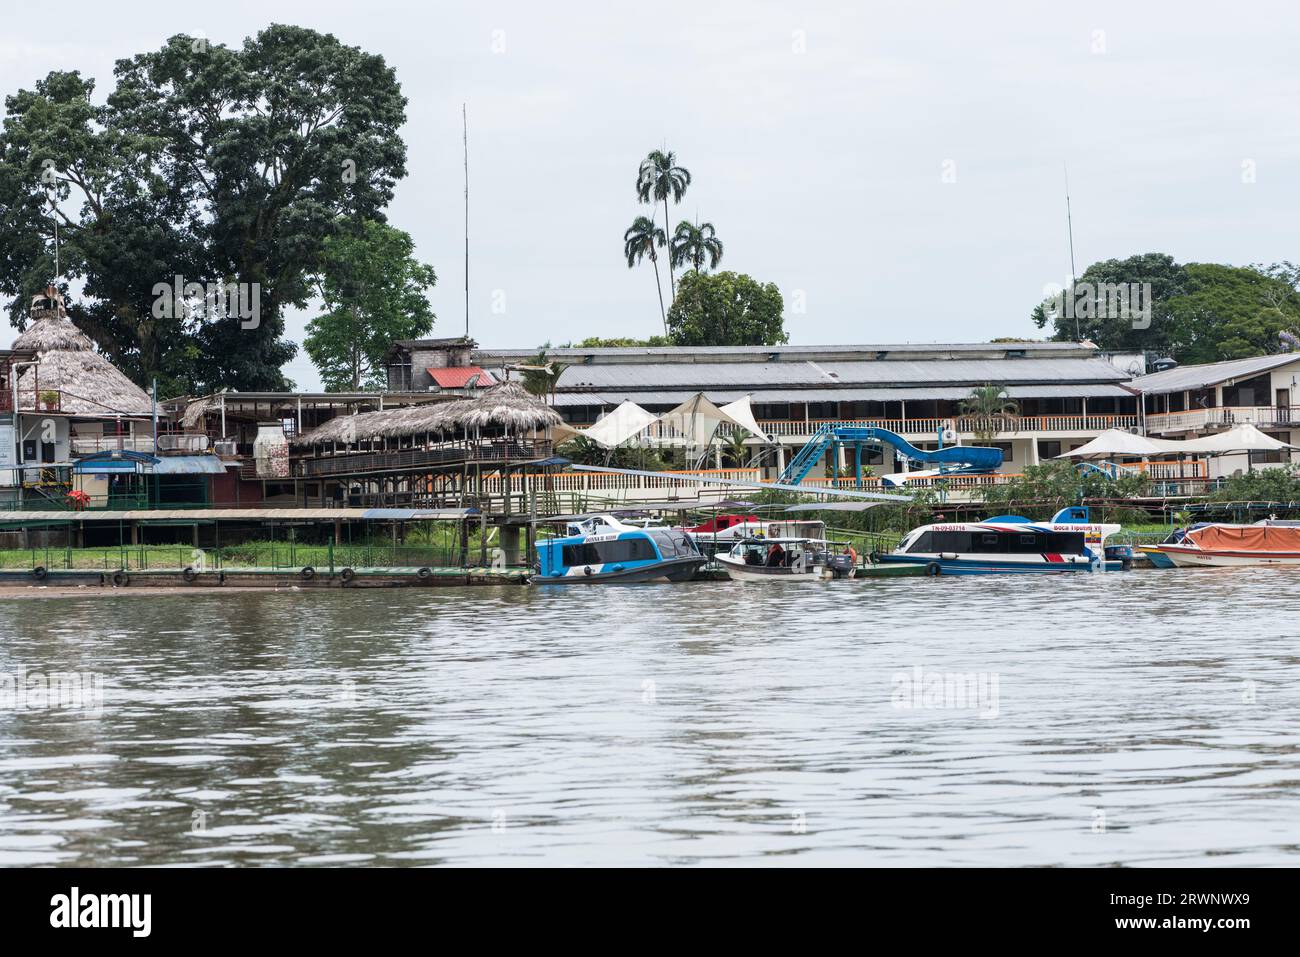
[
  {"x": 39, "y": 573},
  {"x": 934, "y": 570}
]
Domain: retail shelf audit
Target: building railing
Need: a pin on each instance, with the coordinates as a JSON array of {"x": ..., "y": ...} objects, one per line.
[
  {"x": 90, "y": 444},
  {"x": 1285, "y": 416},
  {"x": 965, "y": 426}
]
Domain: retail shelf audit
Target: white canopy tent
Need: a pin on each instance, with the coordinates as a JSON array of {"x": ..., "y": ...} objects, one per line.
[
  {"x": 694, "y": 422},
  {"x": 1240, "y": 438},
  {"x": 1118, "y": 442},
  {"x": 741, "y": 413},
  {"x": 620, "y": 425}
]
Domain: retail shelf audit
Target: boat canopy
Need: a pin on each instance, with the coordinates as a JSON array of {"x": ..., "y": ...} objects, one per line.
[{"x": 1245, "y": 538}]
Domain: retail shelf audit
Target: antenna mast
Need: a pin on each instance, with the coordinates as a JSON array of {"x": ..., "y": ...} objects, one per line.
[
  {"x": 464, "y": 119},
  {"x": 1069, "y": 223}
]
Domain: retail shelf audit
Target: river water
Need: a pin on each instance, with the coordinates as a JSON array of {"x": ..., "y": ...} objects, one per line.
[{"x": 1140, "y": 719}]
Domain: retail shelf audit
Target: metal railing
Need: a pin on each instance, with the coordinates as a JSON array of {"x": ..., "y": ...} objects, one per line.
[
  {"x": 963, "y": 425},
  {"x": 1286, "y": 416}
]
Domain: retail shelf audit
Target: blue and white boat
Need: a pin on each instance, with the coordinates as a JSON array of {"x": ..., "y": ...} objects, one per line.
[
  {"x": 619, "y": 553},
  {"x": 1070, "y": 542}
]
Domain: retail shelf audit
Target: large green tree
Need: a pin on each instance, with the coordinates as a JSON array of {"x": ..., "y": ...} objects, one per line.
[
  {"x": 1200, "y": 312},
  {"x": 213, "y": 163},
  {"x": 373, "y": 289},
  {"x": 726, "y": 309}
]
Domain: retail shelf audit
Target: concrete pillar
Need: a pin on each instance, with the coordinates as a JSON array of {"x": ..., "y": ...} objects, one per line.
[{"x": 510, "y": 543}]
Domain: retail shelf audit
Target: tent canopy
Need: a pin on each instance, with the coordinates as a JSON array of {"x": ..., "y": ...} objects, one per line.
[
  {"x": 741, "y": 413},
  {"x": 1114, "y": 442},
  {"x": 1240, "y": 438},
  {"x": 620, "y": 425},
  {"x": 694, "y": 421}
]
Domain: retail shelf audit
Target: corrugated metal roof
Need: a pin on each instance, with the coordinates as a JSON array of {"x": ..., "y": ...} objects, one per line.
[
  {"x": 188, "y": 465},
  {"x": 239, "y": 514},
  {"x": 766, "y": 375},
  {"x": 992, "y": 348},
  {"x": 1183, "y": 378}
]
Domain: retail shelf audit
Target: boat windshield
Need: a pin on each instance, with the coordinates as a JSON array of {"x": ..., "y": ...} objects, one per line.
[{"x": 673, "y": 543}]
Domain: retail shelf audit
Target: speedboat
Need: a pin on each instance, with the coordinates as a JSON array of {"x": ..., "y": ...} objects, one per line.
[
  {"x": 624, "y": 554},
  {"x": 1070, "y": 542},
  {"x": 784, "y": 559},
  {"x": 1264, "y": 543},
  {"x": 719, "y": 533}
]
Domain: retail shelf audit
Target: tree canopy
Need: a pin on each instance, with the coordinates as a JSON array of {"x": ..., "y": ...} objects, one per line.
[
  {"x": 726, "y": 309},
  {"x": 212, "y": 163},
  {"x": 373, "y": 290},
  {"x": 1200, "y": 312}
]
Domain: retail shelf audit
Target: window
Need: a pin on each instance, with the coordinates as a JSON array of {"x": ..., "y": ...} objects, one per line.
[
  {"x": 1048, "y": 449},
  {"x": 602, "y": 553},
  {"x": 672, "y": 544},
  {"x": 1006, "y": 450}
]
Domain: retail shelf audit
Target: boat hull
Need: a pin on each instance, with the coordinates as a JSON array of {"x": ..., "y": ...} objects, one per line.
[
  {"x": 669, "y": 570},
  {"x": 1196, "y": 558},
  {"x": 964, "y": 566},
  {"x": 739, "y": 571}
]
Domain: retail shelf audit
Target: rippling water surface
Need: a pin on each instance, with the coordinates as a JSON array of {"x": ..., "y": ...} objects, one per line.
[{"x": 1141, "y": 718}]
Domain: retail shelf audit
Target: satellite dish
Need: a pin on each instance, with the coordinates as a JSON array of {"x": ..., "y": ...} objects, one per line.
[{"x": 1134, "y": 369}]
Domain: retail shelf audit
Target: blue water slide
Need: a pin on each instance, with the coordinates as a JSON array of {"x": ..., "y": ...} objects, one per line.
[{"x": 967, "y": 459}]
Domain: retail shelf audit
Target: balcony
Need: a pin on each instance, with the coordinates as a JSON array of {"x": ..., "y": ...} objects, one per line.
[
  {"x": 1199, "y": 420},
  {"x": 964, "y": 426},
  {"x": 90, "y": 444}
]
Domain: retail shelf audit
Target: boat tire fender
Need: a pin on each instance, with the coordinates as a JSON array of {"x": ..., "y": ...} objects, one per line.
[
  {"x": 39, "y": 573},
  {"x": 933, "y": 570},
  {"x": 347, "y": 575},
  {"x": 121, "y": 579},
  {"x": 425, "y": 573},
  {"x": 587, "y": 570},
  {"x": 189, "y": 574},
  {"x": 307, "y": 573}
]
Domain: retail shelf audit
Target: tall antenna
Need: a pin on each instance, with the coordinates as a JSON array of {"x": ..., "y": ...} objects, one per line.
[
  {"x": 1069, "y": 223},
  {"x": 54, "y": 215},
  {"x": 464, "y": 119}
]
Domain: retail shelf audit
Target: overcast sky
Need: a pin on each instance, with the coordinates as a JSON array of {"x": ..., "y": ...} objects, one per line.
[{"x": 818, "y": 135}]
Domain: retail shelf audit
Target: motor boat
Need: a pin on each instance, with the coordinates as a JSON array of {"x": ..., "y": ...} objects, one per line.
[
  {"x": 1214, "y": 544},
  {"x": 614, "y": 554},
  {"x": 785, "y": 559},
  {"x": 1070, "y": 542}
]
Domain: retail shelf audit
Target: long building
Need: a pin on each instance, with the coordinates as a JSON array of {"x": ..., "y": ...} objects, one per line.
[{"x": 1066, "y": 392}]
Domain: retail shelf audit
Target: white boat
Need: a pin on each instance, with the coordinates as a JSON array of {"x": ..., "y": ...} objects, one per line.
[
  {"x": 1222, "y": 545},
  {"x": 1070, "y": 542},
  {"x": 784, "y": 559}
]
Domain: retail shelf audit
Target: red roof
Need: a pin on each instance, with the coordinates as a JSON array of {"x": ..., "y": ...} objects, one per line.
[{"x": 458, "y": 377}]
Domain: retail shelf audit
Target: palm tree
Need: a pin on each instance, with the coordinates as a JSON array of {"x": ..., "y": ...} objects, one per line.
[
  {"x": 640, "y": 241},
  {"x": 693, "y": 244},
  {"x": 658, "y": 178},
  {"x": 991, "y": 408},
  {"x": 542, "y": 375},
  {"x": 735, "y": 452}
]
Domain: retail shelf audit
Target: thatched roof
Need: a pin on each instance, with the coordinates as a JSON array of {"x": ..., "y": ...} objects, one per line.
[
  {"x": 90, "y": 384},
  {"x": 507, "y": 405},
  {"x": 195, "y": 411}
]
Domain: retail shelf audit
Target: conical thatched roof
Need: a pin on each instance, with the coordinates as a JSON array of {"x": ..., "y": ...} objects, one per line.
[
  {"x": 507, "y": 405},
  {"x": 90, "y": 384}
]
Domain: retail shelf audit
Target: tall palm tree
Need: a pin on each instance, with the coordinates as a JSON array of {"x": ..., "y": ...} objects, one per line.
[
  {"x": 542, "y": 375},
  {"x": 658, "y": 178},
  {"x": 693, "y": 244},
  {"x": 991, "y": 408},
  {"x": 640, "y": 241}
]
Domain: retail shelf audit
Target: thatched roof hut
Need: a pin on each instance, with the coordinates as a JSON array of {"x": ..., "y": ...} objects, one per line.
[
  {"x": 508, "y": 406},
  {"x": 90, "y": 385}
]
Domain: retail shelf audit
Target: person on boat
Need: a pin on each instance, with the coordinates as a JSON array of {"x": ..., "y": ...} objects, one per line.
[
  {"x": 852, "y": 553},
  {"x": 775, "y": 556},
  {"x": 753, "y": 557}
]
